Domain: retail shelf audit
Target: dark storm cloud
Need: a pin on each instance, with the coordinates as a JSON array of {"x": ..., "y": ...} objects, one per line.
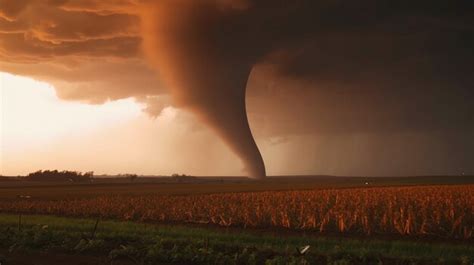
[
  {"x": 314, "y": 66},
  {"x": 388, "y": 64},
  {"x": 16, "y": 47},
  {"x": 89, "y": 50},
  {"x": 372, "y": 66},
  {"x": 10, "y": 9}
]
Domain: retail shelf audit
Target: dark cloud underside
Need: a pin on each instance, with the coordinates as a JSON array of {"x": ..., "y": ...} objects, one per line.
[{"x": 312, "y": 67}]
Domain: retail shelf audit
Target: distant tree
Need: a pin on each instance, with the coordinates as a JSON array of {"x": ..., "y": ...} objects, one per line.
[
  {"x": 183, "y": 177},
  {"x": 132, "y": 177},
  {"x": 55, "y": 175},
  {"x": 89, "y": 175}
]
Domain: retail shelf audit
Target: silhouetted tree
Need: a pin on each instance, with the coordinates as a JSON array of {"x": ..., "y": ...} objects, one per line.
[
  {"x": 182, "y": 177},
  {"x": 132, "y": 177},
  {"x": 55, "y": 175}
]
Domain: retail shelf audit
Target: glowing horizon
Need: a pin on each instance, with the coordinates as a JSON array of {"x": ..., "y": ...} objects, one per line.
[
  {"x": 33, "y": 117},
  {"x": 41, "y": 131}
]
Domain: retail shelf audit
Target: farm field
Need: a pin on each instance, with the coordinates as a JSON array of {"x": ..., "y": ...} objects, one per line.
[
  {"x": 13, "y": 187},
  {"x": 423, "y": 211},
  {"x": 355, "y": 221},
  {"x": 48, "y": 240}
]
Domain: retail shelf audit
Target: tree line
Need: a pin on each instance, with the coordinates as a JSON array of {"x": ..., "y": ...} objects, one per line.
[{"x": 65, "y": 175}]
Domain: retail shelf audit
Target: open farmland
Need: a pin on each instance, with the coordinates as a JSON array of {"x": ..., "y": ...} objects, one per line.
[
  {"x": 49, "y": 240},
  {"x": 11, "y": 188},
  {"x": 415, "y": 211}
]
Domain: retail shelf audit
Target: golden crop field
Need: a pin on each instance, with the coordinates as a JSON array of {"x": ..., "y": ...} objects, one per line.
[{"x": 434, "y": 211}]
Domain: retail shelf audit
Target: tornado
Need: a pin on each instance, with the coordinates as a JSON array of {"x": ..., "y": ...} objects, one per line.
[{"x": 200, "y": 51}]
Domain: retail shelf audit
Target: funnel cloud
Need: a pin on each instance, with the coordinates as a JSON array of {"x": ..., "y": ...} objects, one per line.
[{"x": 199, "y": 59}]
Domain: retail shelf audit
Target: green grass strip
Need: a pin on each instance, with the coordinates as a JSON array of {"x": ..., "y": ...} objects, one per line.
[{"x": 178, "y": 244}]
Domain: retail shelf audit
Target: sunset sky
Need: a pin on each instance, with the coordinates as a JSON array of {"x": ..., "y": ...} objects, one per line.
[{"x": 162, "y": 87}]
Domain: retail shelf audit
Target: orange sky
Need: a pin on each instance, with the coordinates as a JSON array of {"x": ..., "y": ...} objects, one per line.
[{"x": 40, "y": 131}]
